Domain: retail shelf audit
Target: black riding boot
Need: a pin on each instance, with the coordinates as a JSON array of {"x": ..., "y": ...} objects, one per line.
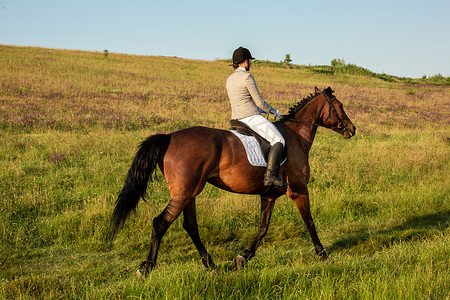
[{"x": 272, "y": 176}]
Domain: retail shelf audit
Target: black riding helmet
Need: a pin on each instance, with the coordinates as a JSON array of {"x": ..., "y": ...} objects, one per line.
[{"x": 241, "y": 54}]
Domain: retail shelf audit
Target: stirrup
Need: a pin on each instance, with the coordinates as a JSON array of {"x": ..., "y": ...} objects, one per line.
[{"x": 271, "y": 179}]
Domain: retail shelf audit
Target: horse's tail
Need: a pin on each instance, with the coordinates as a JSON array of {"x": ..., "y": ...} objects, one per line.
[{"x": 143, "y": 168}]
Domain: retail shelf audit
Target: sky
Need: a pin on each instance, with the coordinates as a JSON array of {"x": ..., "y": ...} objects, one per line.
[{"x": 406, "y": 38}]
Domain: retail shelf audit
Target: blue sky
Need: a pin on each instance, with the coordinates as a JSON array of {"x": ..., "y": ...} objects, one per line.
[{"x": 402, "y": 38}]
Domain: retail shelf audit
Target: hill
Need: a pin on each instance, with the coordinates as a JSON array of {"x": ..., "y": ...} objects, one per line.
[{"x": 70, "y": 122}]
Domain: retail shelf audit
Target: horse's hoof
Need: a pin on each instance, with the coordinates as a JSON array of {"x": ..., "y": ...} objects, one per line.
[
  {"x": 139, "y": 275},
  {"x": 214, "y": 271},
  {"x": 143, "y": 270},
  {"x": 326, "y": 259},
  {"x": 239, "y": 262},
  {"x": 323, "y": 256}
]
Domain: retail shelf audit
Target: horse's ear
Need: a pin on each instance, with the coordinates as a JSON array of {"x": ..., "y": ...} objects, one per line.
[
  {"x": 316, "y": 90},
  {"x": 329, "y": 91}
]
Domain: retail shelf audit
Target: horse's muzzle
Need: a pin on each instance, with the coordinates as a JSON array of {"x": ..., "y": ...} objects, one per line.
[{"x": 349, "y": 132}]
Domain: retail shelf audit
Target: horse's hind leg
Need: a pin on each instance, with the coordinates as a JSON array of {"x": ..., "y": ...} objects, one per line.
[
  {"x": 160, "y": 225},
  {"x": 191, "y": 226}
]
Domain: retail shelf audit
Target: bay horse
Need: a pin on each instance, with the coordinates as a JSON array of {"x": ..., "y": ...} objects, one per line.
[{"x": 189, "y": 158}]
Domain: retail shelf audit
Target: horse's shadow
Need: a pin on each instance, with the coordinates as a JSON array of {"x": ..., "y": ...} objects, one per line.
[{"x": 414, "y": 228}]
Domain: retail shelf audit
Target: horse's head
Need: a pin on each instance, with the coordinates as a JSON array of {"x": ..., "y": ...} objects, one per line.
[{"x": 334, "y": 116}]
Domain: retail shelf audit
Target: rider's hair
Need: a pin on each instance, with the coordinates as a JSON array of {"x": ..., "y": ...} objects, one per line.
[{"x": 235, "y": 66}]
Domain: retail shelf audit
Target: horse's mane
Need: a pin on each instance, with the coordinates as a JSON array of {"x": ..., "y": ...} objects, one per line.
[{"x": 297, "y": 107}]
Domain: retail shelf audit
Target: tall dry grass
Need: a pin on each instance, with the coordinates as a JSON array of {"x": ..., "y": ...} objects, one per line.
[{"x": 70, "y": 122}]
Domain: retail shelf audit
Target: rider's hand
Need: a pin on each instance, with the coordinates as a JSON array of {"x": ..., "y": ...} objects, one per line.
[{"x": 277, "y": 114}]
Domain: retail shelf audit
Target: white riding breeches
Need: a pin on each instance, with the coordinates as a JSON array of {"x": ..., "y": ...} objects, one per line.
[{"x": 264, "y": 128}]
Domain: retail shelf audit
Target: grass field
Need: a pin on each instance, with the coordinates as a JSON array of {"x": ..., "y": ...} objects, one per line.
[{"x": 70, "y": 123}]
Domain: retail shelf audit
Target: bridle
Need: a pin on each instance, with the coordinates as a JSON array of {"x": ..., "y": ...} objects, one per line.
[{"x": 332, "y": 108}]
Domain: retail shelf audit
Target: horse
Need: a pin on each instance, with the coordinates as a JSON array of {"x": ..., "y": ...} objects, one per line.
[{"x": 191, "y": 157}]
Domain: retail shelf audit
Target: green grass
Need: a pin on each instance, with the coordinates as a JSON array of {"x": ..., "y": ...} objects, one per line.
[{"x": 70, "y": 123}]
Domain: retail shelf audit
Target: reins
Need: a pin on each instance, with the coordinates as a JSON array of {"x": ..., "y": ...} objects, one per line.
[{"x": 304, "y": 122}]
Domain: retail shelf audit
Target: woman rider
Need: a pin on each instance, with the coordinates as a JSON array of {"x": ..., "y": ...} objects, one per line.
[{"x": 247, "y": 106}]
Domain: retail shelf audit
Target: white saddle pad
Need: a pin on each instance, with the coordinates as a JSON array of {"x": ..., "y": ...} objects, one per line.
[{"x": 253, "y": 150}]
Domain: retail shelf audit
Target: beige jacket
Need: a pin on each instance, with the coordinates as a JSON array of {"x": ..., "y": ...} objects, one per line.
[{"x": 244, "y": 96}]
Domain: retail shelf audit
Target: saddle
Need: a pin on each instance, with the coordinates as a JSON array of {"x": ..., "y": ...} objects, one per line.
[{"x": 243, "y": 129}]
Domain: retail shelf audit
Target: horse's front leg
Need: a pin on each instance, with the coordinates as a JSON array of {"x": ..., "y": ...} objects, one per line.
[
  {"x": 267, "y": 204},
  {"x": 302, "y": 201}
]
